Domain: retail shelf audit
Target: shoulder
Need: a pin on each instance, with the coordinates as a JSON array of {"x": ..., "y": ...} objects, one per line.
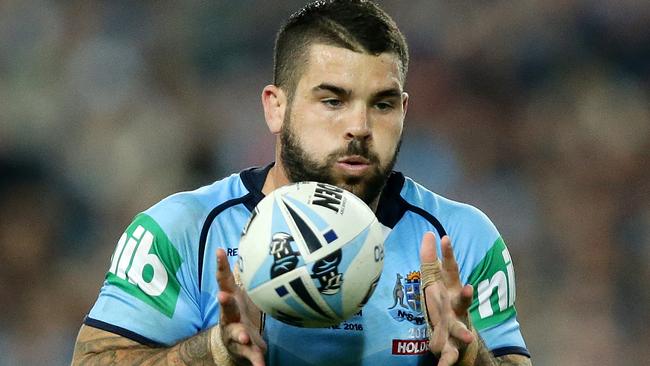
[
  {"x": 472, "y": 233},
  {"x": 188, "y": 209},
  {"x": 179, "y": 218},
  {"x": 458, "y": 219}
]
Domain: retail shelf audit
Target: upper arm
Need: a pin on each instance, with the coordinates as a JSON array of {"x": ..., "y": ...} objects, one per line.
[
  {"x": 92, "y": 343},
  {"x": 486, "y": 264},
  {"x": 493, "y": 307},
  {"x": 150, "y": 293},
  {"x": 513, "y": 360}
]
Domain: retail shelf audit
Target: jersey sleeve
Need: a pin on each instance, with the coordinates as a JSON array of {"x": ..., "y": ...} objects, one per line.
[
  {"x": 486, "y": 264},
  {"x": 149, "y": 293},
  {"x": 493, "y": 310}
]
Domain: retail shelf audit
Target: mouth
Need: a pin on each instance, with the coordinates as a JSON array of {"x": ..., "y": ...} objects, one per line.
[
  {"x": 353, "y": 164},
  {"x": 354, "y": 160}
]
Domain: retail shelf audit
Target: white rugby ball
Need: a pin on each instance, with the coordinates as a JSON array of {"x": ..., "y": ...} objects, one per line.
[{"x": 311, "y": 254}]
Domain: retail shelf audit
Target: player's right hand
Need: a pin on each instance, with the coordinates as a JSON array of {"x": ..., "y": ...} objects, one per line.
[
  {"x": 240, "y": 336},
  {"x": 446, "y": 302}
]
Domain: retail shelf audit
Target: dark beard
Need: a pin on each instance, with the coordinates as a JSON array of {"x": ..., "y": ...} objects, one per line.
[{"x": 300, "y": 167}]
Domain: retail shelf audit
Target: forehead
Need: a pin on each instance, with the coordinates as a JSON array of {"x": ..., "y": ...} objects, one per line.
[{"x": 350, "y": 69}]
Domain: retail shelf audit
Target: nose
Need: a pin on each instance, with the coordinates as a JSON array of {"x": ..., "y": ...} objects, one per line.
[{"x": 358, "y": 126}]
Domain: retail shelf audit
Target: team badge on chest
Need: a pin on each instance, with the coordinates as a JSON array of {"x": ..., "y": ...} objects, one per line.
[{"x": 406, "y": 299}]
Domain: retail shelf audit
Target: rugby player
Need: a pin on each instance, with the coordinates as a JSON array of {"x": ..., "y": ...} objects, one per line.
[{"x": 337, "y": 107}]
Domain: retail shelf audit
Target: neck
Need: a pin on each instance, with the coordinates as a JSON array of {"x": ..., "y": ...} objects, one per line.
[
  {"x": 373, "y": 205},
  {"x": 275, "y": 179}
]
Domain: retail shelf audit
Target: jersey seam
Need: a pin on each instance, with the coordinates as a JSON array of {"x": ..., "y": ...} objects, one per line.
[
  {"x": 510, "y": 350},
  {"x": 426, "y": 215},
  {"x": 122, "y": 332},
  {"x": 206, "y": 228},
  {"x": 187, "y": 249}
]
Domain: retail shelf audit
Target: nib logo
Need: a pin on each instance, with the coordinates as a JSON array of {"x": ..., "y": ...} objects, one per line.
[
  {"x": 494, "y": 281},
  {"x": 145, "y": 264},
  {"x": 154, "y": 282}
]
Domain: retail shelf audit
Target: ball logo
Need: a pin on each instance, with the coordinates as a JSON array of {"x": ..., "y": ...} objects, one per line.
[
  {"x": 284, "y": 258},
  {"x": 328, "y": 196},
  {"x": 326, "y": 270}
]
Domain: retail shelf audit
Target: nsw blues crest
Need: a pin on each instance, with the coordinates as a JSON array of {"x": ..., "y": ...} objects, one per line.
[{"x": 406, "y": 299}]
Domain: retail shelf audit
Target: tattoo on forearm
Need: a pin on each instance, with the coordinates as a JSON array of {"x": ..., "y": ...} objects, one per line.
[
  {"x": 485, "y": 358},
  {"x": 196, "y": 349},
  {"x": 513, "y": 360},
  {"x": 120, "y": 351}
]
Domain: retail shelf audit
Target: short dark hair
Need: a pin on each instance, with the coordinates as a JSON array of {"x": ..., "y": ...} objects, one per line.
[{"x": 358, "y": 25}]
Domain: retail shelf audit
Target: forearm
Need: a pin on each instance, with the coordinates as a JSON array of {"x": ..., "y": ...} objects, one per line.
[
  {"x": 96, "y": 347},
  {"x": 485, "y": 358}
]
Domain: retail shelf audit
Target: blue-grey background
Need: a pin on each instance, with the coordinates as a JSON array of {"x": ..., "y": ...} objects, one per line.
[{"x": 536, "y": 111}]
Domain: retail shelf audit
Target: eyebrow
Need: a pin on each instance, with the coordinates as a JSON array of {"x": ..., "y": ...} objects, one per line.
[
  {"x": 386, "y": 93},
  {"x": 333, "y": 88}
]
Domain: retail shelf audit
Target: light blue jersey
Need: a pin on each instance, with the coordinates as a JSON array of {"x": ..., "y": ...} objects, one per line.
[{"x": 161, "y": 286}]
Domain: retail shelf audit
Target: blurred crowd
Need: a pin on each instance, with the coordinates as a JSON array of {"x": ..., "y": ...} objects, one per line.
[{"x": 535, "y": 111}]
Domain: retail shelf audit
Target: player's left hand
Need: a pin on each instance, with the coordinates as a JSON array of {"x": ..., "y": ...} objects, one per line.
[{"x": 446, "y": 301}]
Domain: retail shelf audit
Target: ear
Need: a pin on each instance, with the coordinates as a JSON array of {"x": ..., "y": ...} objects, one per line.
[
  {"x": 274, "y": 102},
  {"x": 405, "y": 103}
]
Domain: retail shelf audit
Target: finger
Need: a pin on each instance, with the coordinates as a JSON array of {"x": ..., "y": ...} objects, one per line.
[
  {"x": 227, "y": 290},
  {"x": 243, "y": 343},
  {"x": 236, "y": 333},
  {"x": 252, "y": 353},
  {"x": 229, "y": 308},
  {"x": 430, "y": 267},
  {"x": 440, "y": 334},
  {"x": 225, "y": 278},
  {"x": 257, "y": 340},
  {"x": 459, "y": 331},
  {"x": 256, "y": 356},
  {"x": 433, "y": 303},
  {"x": 449, "y": 264},
  {"x": 464, "y": 301},
  {"x": 437, "y": 341},
  {"x": 241, "y": 334},
  {"x": 428, "y": 248},
  {"x": 449, "y": 356}
]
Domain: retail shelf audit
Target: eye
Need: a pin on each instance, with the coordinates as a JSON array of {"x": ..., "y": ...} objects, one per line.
[
  {"x": 384, "y": 106},
  {"x": 332, "y": 102}
]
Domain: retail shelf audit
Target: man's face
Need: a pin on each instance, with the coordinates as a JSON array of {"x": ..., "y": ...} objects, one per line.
[{"x": 344, "y": 124}]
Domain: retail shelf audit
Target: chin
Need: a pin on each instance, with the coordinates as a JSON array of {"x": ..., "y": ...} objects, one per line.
[{"x": 362, "y": 190}]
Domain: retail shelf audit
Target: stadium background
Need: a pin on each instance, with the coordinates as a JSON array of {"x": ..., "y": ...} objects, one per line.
[{"x": 535, "y": 111}]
